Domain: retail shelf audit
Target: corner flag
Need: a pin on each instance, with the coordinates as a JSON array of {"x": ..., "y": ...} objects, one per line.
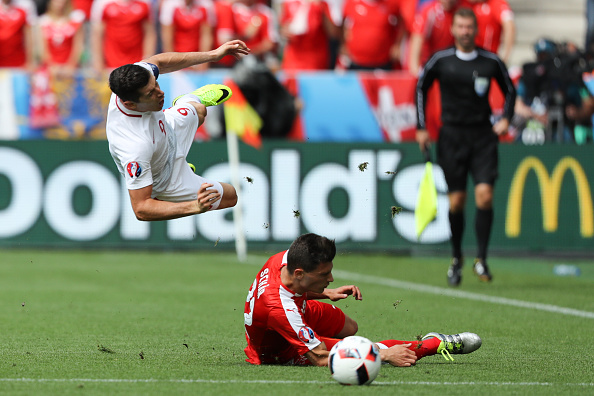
[
  {"x": 241, "y": 118},
  {"x": 426, "y": 208}
]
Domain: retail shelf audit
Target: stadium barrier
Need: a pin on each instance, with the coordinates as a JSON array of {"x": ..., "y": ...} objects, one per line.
[{"x": 69, "y": 194}]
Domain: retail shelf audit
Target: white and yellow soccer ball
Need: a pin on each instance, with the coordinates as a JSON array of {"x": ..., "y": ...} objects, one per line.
[{"x": 354, "y": 360}]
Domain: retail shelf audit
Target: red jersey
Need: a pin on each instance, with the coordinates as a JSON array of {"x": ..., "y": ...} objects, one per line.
[
  {"x": 83, "y": 5},
  {"x": 123, "y": 35},
  {"x": 435, "y": 25},
  {"x": 308, "y": 46},
  {"x": 258, "y": 15},
  {"x": 187, "y": 22},
  {"x": 370, "y": 31},
  {"x": 274, "y": 318},
  {"x": 59, "y": 35},
  {"x": 490, "y": 16},
  {"x": 13, "y": 21}
]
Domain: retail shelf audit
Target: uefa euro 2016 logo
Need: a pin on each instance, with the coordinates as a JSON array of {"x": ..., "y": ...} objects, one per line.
[
  {"x": 306, "y": 334},
  {"x": 134, "y": 169}
]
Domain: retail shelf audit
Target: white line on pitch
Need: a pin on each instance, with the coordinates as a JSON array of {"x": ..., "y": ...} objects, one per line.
[
  {"x": 231, "y": 381},
  {"x": 460, "y": 294}
]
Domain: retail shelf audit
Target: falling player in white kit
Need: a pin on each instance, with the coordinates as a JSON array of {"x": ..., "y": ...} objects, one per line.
[{"x": 149, "y": 146}]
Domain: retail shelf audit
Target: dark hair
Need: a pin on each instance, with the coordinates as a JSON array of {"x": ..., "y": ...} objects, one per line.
[
  {"x": 308, "y": 251},
  {"x": 465, "y": 13},
  {"x": 126, "y": 81}
]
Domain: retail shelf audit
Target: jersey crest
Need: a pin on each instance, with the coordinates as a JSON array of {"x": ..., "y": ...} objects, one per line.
[{"x": 481, "y": 86}]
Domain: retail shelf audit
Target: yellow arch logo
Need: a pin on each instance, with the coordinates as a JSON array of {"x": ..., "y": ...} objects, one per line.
[{"x": 550, "y": 190}]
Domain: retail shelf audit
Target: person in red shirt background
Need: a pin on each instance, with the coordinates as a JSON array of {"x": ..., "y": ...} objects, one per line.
[
  {"x": 187, "y": 26},
  {"x": 495, "y": 22},
  {"x": 431, "y": 32},
  {"x": 122, "y": 32},
  {"x": 16, "y": 36},
  {"x": 371, "y": 35},
  {"x": 308, "y": 28},
  {"x": 83, "y": 5},
  {"x": 224, "y": 29},
  {"x": 61, "y": 37},
  {"x": 256, "y": 25}
]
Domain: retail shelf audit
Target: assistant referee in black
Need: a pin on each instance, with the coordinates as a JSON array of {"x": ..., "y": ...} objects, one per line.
[{"x": 468, "y": 139}]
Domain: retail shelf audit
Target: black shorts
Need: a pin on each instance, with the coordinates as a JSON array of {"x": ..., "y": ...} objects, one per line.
[{"x": 464, "y": 150}]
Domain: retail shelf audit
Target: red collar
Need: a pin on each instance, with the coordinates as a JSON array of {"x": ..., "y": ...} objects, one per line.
[{"x": 131, "y": 114}]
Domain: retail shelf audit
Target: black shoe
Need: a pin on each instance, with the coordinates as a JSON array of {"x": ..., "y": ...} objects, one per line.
[
  {"x": 481, "y": 270},
  {"x": 455, "y": 272}
]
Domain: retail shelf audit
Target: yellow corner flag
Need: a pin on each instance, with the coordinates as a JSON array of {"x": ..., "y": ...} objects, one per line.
[
  {"x": 241, "y": 118},
  {"x": 426, "y": 208}
]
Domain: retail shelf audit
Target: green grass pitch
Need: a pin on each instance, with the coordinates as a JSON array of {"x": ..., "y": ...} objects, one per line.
[{"x": 154, "y": 323}]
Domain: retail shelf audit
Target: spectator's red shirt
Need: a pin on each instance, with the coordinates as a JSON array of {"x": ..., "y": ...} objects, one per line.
[
  {"x": 13, "y": 20},
  {"x": 490, "y": 16},
  {"x": 435, "y": 25},
  {"x": 123, "y": 35},
  {"x": 258, "y": 15},
  {"x": 370, "y": 31},
  {"x": 187, "y": 23},
  {"x": 307, "y": 48},
  {"x": 224, "y": 28},
  {"x": 59, "y": 36},
  {"x": 83, "y": 5}
]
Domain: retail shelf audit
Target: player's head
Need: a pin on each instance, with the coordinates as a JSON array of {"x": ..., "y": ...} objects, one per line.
[
  {"x": 464, "y": 29},
  {"x": 309, "y": 262},
  {"x": 137, "y": 88}
]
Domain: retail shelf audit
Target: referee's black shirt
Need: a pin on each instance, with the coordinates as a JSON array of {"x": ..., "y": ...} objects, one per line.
[{"x": 464, "y": 81}]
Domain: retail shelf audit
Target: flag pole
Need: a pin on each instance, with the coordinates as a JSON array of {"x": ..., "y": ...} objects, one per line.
[{"x": 233, "y": 154}]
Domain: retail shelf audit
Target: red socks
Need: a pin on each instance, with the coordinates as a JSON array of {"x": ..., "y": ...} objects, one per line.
[{"x": 420, "y": 348}]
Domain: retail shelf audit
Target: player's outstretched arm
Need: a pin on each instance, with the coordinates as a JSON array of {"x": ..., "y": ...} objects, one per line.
[
  {"x": 339, "y": 293},
  {"x": 168, "y": 62},
  {"x": 399, "y": 355},
  {"x": 150, "y": 209}
]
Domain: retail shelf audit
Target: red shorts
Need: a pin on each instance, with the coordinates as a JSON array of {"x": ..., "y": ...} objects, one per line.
[{"x": 327, "y": 321}]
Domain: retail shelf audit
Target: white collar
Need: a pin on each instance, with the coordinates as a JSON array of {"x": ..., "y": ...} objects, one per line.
[{"x": 466, "y": 56}]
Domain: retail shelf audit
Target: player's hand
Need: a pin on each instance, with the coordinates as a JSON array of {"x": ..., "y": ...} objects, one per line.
[
  {"x": 207, "y": 196},
  {"x": 399, "y": 355},
  {"x": 235, "y": 48},
  {"x": 343, "y": 292},
  {"x": 501, "y": 127},
  {"x": 422, "y": 137}
]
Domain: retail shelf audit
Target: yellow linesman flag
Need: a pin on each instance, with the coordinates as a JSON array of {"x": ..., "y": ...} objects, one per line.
[
  {"x": 426, "y": 208},
  {"x": 241, "y": 118}
]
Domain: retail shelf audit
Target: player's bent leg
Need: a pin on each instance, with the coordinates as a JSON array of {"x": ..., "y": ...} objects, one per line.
[
  {"x": 229, "y": 198},
  {"x": 350, "y": 328},
  {"x": 483, "y": 195},
  {"x": 457, "y": 201}
]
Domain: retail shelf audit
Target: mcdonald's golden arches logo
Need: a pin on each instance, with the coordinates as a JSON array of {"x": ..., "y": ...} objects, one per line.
[{"x": 550, "y": 190}]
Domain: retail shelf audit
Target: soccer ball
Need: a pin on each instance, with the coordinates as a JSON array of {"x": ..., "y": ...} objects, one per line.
[{"x": 354, "y": 360}]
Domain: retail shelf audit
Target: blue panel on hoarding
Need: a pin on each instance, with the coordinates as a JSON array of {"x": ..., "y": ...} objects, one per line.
[{"x": 336, "y": 109}]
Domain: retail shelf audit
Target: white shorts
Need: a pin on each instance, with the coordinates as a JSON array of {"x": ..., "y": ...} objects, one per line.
[{"x": 184, "y": 184}]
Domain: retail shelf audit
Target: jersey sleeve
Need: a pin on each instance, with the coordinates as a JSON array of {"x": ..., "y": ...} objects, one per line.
[
  {"x": 504, "y": 12},
  {"x": 426, "y": 78},
  {"x": 289, "y": 323},
  {"x": 134, "y": 164},
  {"x": 507, "y": 87}
]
